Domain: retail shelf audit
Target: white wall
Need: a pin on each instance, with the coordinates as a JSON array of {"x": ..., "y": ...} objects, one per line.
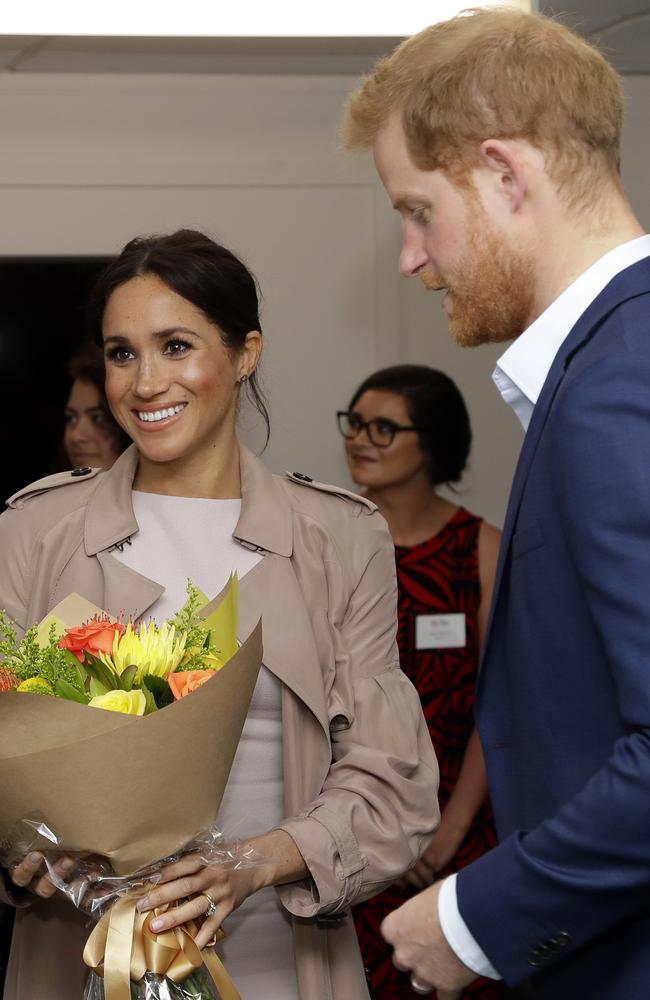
[{"x": 88, "y": 161}]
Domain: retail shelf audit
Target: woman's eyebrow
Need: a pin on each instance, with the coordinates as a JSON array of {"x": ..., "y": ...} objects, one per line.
[{"x": 168, "y": 331}]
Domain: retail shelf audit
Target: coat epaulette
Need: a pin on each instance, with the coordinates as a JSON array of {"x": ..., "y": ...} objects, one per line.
[
  {"x": 303, "y": 480},
  {"x": 82, "y": 474}
]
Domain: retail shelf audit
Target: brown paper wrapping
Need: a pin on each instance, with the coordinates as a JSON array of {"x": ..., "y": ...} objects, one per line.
[{"x": 133, "y": 789}]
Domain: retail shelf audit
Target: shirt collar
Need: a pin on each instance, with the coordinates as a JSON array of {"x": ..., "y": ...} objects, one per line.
[{"x": 521, "y": 372}]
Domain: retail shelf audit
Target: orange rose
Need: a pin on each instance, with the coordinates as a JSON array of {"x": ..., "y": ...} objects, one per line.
[
  {"x": 186, "y": 681},
  {"x": 96, "y": 636}
]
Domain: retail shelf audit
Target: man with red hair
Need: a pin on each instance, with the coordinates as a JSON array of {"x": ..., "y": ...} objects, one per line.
[{"x": 497, "y": 138}]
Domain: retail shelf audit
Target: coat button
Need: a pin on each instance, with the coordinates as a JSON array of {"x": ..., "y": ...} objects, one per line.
[
  {"x": 535, "y": 957},
  {"x": 302, "y": 476},
  {"x": 84, "y": 470},
  {"x": 560, "y": 941}
]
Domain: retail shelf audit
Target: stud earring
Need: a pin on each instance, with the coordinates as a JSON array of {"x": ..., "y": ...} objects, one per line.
[{"x": 243, "y": 378}]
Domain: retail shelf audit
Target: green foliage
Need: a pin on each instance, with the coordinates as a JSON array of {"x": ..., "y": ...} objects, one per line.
[
  {"x": 65, "y": 690},
  {"x": 127, "y": 677},
  {"x": 27, "y": 659},
  {"x": 149, "y": 699},
  {"x": 96, "y": 668},
  {"x": 198, "y": 644},
  {"x": 159, "y": 689}
]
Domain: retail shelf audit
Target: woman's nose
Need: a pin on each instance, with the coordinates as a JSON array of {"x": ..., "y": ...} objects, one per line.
[
  {"x": 79, "y": 430},
  {"x": 150, "y": 380}
]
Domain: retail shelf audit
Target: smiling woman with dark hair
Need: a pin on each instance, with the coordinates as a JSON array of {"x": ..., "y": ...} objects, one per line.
[
  {"x": 91, "y": 436},
  {"x": 334, "y": 782},
  {"x": 407, "y": 432}
]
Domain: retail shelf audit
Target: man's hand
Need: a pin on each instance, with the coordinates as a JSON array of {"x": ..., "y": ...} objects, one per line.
[{"x": 420, "y": 945}]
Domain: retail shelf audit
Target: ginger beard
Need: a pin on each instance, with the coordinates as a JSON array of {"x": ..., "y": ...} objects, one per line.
[{"x": 491, "y": 286}]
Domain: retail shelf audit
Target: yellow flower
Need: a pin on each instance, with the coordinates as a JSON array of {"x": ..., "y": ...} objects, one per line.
[
  {"x": 36, "y": 685},
  {"x": 128, "y": 702},
  {"x": 154, "y": 649}
]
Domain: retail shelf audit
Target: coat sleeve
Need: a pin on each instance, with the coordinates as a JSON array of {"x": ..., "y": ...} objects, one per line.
[
  {"x": 587, "y": 868},
  {"x": 15, "y": 545},
  {"x": 378, "y": 806},
  {"x": 17, "y": 538}
]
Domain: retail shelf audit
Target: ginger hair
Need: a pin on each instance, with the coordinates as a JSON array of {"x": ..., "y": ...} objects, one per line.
[{"x": 497, "y": 73}]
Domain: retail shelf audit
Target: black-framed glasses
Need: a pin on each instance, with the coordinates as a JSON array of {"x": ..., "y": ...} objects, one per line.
[{"x": 381, "y": 431}]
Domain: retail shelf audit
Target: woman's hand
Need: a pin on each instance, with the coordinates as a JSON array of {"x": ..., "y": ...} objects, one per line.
[
  {"x": 191, "y": 880},
  {"x": 31, "y": 874},
  {"x": 275, "y": 861},
  {"x": 438, "y": 854}
]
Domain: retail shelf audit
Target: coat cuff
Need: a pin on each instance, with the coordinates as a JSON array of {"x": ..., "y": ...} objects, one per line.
[{"x": 331, "y": 853}]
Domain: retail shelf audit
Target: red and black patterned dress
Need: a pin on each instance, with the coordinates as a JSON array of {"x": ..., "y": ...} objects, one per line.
[{"x": 439, "y": 576}]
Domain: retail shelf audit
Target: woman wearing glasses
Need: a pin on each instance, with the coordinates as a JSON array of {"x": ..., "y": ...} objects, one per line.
[{"x": 407, "y": 433}]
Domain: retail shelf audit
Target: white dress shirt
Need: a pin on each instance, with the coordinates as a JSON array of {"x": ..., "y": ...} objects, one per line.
[{"x": 519, "y": 376}]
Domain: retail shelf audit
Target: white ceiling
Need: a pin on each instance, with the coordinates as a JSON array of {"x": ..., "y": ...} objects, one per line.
[{"x": 622, "y": 27}]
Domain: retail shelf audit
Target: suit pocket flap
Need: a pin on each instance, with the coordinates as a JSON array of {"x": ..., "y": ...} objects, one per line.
[{"x": 526, "y": 539}]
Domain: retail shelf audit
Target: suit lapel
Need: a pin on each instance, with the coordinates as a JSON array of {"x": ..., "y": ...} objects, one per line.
[{"x": 628, "y": 284}]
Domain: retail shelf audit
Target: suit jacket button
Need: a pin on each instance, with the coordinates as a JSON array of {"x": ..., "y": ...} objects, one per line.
[
  {"x": 534, "y": 957},
  {"x": 83, "y": 470},
  {"x": 563, "y": 939}
]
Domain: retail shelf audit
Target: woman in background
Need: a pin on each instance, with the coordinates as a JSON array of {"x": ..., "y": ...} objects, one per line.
[
  {"x": 92, "y": 438},
  {"x": 407, "y": 432}
]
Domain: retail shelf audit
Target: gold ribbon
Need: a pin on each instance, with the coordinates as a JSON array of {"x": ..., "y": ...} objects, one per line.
[{"x": 122, "y": 947}]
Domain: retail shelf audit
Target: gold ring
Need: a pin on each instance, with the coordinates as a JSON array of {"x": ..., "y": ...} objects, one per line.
[{"x": 212, "y": 906}]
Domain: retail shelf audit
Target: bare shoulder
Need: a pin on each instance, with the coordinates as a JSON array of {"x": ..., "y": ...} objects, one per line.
[
  {"x": 489, "y": 543},
  {"x": 489, "y": 540}
]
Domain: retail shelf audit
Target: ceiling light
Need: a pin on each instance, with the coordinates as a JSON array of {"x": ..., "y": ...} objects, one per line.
[{"x": 255, "y": 18}]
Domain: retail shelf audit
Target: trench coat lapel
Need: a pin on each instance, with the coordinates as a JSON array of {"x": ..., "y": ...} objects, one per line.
[
  {"x": 126, "y": 592},
  {"x": 271, "y": 592},
  {"x": 109, "y": 524}
]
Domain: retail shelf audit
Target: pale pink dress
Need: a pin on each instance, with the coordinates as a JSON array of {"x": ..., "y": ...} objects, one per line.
[{"x": 182, "y": 537}]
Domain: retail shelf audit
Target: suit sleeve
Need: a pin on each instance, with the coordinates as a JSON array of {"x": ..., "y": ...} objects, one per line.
[
  {"x": 586, "y": 870},
  {"x": 378, "y": 805}
]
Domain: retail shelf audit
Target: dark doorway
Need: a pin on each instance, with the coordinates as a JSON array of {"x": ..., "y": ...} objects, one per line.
[{"x": 42, "y": 301}]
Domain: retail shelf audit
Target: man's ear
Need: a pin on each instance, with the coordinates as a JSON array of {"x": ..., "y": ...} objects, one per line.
[{"x": 505, "y": 160}]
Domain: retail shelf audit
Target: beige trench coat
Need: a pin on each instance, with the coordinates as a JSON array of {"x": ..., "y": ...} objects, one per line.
[{"x": 360, "y": 773}]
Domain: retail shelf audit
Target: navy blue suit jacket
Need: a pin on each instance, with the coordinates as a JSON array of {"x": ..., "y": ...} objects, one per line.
[{"x": 563, "y": 699}]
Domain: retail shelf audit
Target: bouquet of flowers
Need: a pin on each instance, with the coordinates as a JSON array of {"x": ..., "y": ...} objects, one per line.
[{"x": 120, "y": 739}]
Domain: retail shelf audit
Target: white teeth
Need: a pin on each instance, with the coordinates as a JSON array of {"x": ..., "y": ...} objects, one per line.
[{"x": 147, "y": 416}]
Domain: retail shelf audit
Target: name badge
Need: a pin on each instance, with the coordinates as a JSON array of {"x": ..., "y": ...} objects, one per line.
[{"x": 440, "y": 631}]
